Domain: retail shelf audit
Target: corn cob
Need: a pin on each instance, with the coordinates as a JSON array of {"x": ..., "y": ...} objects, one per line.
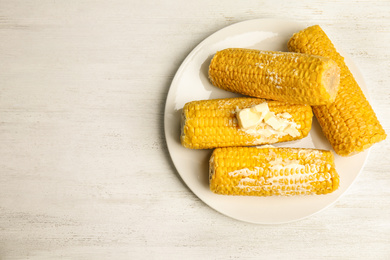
[
  {"x": 272, "y": 171},
  {"x": 350, "y": 124},
  {"x": 289, "y": 77},
  {"x": 213, "y": 123}
]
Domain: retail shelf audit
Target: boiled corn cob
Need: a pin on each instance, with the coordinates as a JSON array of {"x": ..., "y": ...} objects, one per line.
[
  {"x": 289, "y": 77},
  {"x": 213, "y": 123},
  {"x": 272, "y": 171},
  {"x": 350, "y": 124}
]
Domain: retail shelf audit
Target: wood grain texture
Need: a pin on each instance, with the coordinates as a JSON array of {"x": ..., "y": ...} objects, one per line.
[{"x": 85, "y": 171}]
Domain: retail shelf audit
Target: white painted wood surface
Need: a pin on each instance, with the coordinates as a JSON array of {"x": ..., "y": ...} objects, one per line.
[{"x": 84, "y": 168}]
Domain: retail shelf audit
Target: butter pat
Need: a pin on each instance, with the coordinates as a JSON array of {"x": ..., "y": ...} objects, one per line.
[
  {"x": 251, "y": 117},
  {"x": 272, "y": 121},
  {"x": 259, "y": 120},
  {"x": 292, "y": 131},
  {"x": 262, "y": 108},
  {"x": 247, "y": 118}
]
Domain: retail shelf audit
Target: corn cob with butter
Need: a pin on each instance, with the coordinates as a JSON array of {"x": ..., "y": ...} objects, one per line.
[
  {"x": 350, "y": 124},
  {"x": 289, "y": 77},
  {"x": 272, "y": 171},
  {"x": 215, "y": 123}
]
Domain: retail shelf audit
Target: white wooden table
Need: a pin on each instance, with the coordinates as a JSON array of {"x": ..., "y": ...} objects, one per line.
[{"x": 84, "y": 167}]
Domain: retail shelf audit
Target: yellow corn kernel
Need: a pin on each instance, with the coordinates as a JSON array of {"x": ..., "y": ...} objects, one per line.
[
  {"x": 290, "y": 77},
  {"x": 222, "y": 130},
  {"x": 350, "y": 123},
  {"x": 241, "y": 180}
]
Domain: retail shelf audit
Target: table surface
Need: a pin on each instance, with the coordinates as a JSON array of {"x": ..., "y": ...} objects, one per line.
[{"x": 85, "y": 171}]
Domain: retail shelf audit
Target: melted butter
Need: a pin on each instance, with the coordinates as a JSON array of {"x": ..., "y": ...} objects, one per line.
[
  {"x": 245, "y": 172},
  {"x": 281, "y": 173},
  {"x": 265, "y": 133}
]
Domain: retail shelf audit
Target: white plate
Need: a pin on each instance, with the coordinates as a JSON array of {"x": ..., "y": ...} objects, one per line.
[{"x": 191, "y": 83}]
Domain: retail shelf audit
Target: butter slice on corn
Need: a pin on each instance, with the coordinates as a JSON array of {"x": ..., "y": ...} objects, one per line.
[
  {"x": 268, "y": 171},
  {"x": 251, "y": 118},
  {"x": 350, "y": 123},
  {"x": 213, "y": 123},
  {"x": 284, "y": 76}
]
